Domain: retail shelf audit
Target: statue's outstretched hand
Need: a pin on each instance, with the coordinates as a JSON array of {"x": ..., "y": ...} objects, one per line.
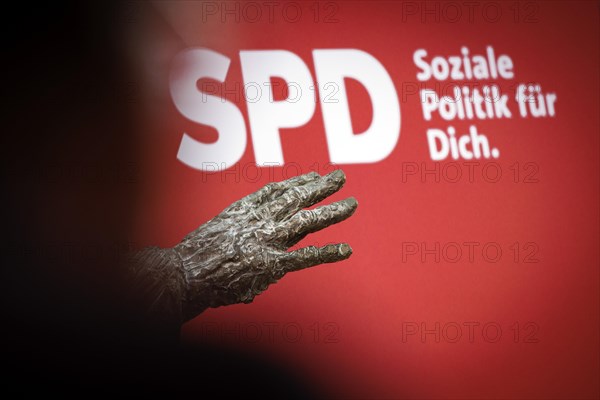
[{"x": 239, "y": 253}]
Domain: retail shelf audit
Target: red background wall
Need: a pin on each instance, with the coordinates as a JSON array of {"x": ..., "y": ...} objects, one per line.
[{"x": 362, "y": 307}]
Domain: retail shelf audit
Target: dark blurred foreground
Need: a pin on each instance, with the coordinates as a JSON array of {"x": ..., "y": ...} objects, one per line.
[{"x": 69, "y": 323}]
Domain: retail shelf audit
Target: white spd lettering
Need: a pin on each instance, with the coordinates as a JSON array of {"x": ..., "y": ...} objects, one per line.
[{"x": 267, "y": 116}]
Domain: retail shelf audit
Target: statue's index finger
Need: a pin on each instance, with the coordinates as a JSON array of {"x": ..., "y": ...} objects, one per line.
[
  {"x": 270, "y": 192},
  {"x": 298, "y": 197},
  {"x": 273, "y": 189}
]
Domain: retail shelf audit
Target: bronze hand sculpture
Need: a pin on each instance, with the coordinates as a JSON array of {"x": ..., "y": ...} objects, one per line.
[{"x": 240, "y": 252}]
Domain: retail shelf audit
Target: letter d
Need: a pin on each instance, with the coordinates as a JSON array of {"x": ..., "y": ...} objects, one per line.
[
  {"x": 379, "y": 140},
  {"x": 442, "y": 152}
]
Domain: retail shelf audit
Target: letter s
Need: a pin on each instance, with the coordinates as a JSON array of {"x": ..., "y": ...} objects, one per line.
[
  {"x": 425, "y": 73},
  {"x": 189, "y": 66}
]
